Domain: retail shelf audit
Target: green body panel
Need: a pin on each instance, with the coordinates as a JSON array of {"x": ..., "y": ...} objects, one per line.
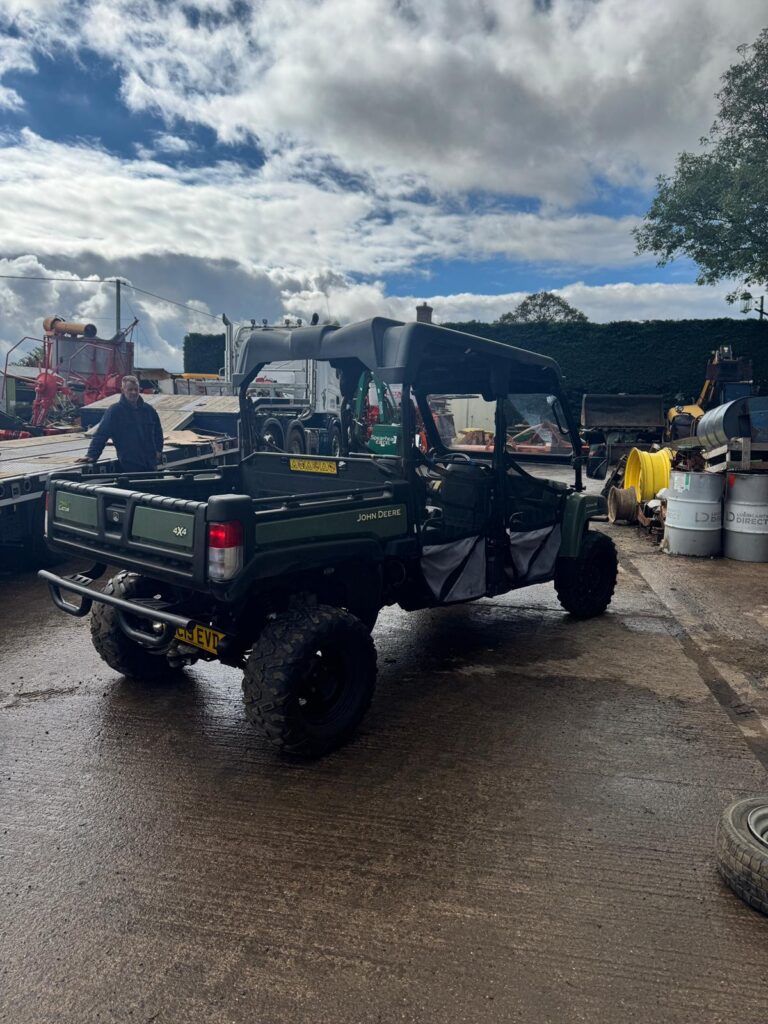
[
  {"x": 385, "y": 439},
  {"x": 381, "y": 522},
  {"x": 171, "y": 529},
  {"x": 78, "y": 509},
  {"x": 579, "y": 509}
]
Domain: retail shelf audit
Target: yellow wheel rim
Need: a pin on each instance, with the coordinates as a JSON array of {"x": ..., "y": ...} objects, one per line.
[{"x": 648, "y": 472}]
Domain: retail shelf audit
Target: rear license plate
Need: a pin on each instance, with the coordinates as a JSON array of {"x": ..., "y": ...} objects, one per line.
[
  {"x": 204, "y": 637},
  {"x": 313, "y": 466}
]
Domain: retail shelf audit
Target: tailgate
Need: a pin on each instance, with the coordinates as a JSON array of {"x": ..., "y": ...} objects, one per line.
[{"x": 163, "y": 536}]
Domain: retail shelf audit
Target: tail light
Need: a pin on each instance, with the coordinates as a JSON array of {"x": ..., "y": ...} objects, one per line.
[{"x": 225, "y": 550}]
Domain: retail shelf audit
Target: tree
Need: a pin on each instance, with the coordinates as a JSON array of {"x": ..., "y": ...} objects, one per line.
[
  {"x": 33, "y": 358},
  {"x": 714, "y": 209},
  {"x": 544, "y": 308}
]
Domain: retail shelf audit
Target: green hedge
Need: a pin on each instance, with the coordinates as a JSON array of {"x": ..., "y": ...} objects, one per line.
[
  {"x": 666, "y": 357},
  {"x": 203, "y": 353}
]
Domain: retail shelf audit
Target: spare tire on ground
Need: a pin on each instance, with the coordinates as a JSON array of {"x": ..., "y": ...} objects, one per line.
[{"x": 742, "y": 850}]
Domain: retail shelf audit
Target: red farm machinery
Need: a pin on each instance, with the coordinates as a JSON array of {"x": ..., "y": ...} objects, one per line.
[{"x": 74, "y": 368}]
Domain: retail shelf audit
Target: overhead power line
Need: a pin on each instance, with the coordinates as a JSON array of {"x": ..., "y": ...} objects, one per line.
[{"x": 124, "y": 284}]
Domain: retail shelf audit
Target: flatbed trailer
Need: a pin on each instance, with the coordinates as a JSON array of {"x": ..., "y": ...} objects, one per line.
[{"x": 26, "y": 464}]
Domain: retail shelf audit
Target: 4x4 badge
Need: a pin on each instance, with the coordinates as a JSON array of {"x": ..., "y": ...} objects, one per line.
[{"x": 180, "y": 531}]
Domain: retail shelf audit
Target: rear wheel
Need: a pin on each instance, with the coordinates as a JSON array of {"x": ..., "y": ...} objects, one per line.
[
  {"x": 272, "y": 434},
  {"x": 585, "y": 584},
  {"x": 309, "y": 680},
  {"x": 367, "y": 613},
  {"x": 120, "y": 652},
  {"x": 295, "y": 441},
  {"x": 334, "y": 435}
]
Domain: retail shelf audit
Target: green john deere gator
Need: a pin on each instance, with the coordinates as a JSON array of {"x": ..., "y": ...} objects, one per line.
[{"x": 281, "y": 564}]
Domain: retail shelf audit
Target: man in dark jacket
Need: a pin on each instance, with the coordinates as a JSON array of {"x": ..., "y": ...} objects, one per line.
[{"x": 135, "y": 430}]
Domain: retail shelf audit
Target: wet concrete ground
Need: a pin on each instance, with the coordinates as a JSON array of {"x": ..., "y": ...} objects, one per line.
[{"x": 523, "y": 830}]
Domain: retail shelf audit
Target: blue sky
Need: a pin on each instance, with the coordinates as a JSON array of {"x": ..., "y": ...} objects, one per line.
[{"x": 347, "y": 156}]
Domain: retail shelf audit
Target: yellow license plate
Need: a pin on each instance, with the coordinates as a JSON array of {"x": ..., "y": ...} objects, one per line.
[
  {"x": 313, "y": 466},
  {"x": 204, "y": 637}
]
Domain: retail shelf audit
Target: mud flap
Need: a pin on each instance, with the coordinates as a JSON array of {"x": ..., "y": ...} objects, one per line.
[
  {"x": 455, "y": 571},
  {"x": 534, "y": 553}
]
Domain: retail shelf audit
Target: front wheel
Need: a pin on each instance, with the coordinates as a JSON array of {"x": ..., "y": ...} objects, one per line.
[
  {"x": 120, "y": 652},
  {"x": 309, "y": 679},
  {"x": 585, "y": 584}
]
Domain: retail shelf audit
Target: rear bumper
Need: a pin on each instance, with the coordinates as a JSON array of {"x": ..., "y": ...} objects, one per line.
[{"x": 150, "y": 610}]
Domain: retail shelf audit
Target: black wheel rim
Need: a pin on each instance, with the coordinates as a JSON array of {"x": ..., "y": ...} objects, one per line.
[{"x": 325, "y": 691}]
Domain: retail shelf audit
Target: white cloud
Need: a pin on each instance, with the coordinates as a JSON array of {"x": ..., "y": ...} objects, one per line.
[
  {"x": 79, "y": 199},
  {"x": 15, "y": 55},
  {"x": 163, "y": 142},
  {"x": 31, "y": 290},
  {"x": 25, "y": 303},
  {"x": 601, "y": 303},
  {"x": 166, "y": 143},
  {"x": 379, "y": 122},
  {"x": 499, "y": 95}
]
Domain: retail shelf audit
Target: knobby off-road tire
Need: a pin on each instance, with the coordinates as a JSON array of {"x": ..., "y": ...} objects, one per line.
[
  {"x": 366, "y": 614},
  {"x": 310, "y": 679},
  {"x": 585, "y": 584},
  {"x": 121, "y": 653},
  {"x": 741, "y": 845}
]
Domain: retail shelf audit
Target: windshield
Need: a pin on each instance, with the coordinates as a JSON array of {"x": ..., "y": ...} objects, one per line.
[{"x": 535, "y": 423}]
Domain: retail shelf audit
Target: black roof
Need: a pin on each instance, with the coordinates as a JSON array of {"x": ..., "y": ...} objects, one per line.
[{"x": 428, "y": 357}]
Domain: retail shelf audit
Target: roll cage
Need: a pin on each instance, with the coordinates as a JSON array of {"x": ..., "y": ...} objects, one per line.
[{"x": 422, "y": 358}]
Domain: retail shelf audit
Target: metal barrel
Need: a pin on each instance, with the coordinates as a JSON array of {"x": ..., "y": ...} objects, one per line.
[
  {"x": 745, "y": 417},
  {"x": 746, "y": 517},
  {"x": 693, "y": 524}
]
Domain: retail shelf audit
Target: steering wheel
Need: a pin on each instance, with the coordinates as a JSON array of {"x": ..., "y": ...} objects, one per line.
[{"x": 460, "y": 457}]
